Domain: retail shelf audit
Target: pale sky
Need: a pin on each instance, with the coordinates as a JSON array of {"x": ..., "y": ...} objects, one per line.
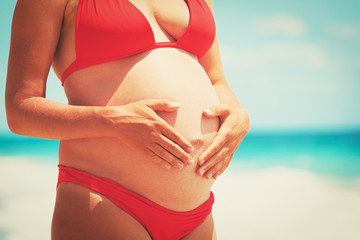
[{"x": 293, "y": 64}]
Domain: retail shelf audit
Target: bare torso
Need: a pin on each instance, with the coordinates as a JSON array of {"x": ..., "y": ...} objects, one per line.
[{"x": 168, "y": 73}]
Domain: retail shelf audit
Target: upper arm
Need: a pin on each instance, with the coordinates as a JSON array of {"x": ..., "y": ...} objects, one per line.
[
  {"x": 211, "y": 61},
  {"x": 34, "y": 36}
]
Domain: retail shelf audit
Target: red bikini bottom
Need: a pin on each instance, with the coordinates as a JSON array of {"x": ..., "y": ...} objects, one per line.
[{"x": 160, "y": 222}]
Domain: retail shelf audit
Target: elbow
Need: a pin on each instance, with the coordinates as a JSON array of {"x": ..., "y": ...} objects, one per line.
[
  {"x": 246, "y": 121},
  {"x": 12, "y": 123},
  {"x": 13, "y": 117},
  {"x": 13, "y": 127}
]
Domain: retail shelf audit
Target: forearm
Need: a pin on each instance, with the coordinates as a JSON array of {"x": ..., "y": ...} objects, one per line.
[
  {"x": 228, "y": 97},
  {"x": 43, "y": 118}
]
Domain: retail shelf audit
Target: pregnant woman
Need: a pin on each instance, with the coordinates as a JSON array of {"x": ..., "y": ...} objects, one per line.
[{"x": 150, "y": 121}]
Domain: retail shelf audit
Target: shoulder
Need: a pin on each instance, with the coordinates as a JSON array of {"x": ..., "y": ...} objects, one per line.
[
  {"x": 38, "y": 12},
  {"x": 44, "y": 5}
]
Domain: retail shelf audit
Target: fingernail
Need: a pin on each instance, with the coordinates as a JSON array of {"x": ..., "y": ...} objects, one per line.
[
  {"x": 202, "y": 172},
  {"x": 174, "y": 104},
  {"x": 208, "y": 111},
  {"x": 179, "y": 165},
  {"x": 189, "y": 161},
  {"x": 209, "y": 176},
  {"x": 190, "y": 149}
]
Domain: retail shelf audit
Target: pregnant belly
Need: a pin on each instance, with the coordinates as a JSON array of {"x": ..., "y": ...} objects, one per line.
[{"x": 162, "y": 74}]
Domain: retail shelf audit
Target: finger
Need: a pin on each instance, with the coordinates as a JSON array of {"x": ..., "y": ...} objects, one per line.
[
  {"x": 167, "y": 129},
  {"x": 218, "y": 143},
  {"x": 202, "y": 169},
  {"x": 221, "y": 171},
  {"x": 158, "y": 160},
  {"x": 225, "y": 166},
  {"x": 217, "y": 110},
  {"x": 162, "y": 105},
  {"x": 175, "y": 136},
  {"x": 214, "y": 170},
  {"x": 213, "y": 161},
  {"x": 174, "y": 149},
  {"x": 166, "y": 156}
]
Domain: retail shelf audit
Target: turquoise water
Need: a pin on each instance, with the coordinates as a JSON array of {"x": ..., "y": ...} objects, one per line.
[
  {"x": 14, "y": 145},
  {"x": 335, "y": 154}
]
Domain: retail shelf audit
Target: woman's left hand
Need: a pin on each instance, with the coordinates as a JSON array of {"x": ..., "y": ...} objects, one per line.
[{"x": 234, "y": 125}]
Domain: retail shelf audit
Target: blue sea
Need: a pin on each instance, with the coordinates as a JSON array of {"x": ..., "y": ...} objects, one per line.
[{"x": 329, "y": 153}]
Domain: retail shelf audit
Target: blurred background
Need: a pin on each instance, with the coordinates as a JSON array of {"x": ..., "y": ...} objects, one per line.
[{"x": 295, "y": 67}]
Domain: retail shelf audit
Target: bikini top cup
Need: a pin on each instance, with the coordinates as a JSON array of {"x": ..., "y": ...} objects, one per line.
[{"x": 107, "y": 30}]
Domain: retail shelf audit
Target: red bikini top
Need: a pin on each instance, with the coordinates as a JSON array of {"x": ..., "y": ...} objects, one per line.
[{"x": 107, "y": 30}]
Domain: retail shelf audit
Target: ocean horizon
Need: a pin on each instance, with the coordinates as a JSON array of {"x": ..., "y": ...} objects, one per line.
[{"x": 334, "y": 153}]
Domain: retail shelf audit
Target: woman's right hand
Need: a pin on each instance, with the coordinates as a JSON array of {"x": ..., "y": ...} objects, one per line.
[{"x": 140, "y": 127}]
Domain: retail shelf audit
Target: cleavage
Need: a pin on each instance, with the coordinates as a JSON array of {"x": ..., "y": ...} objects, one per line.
[{"x": 168, "y": 19}]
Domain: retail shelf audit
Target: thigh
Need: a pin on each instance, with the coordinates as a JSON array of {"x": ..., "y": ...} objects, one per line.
[
  {"x": 81, "y": 213},
  {"x": 205, "y": 231}
]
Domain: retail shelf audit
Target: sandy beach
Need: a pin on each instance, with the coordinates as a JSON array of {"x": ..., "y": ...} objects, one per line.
[
  {"x": 282, "y": 203},
  {"x": 259, "y": 204}
]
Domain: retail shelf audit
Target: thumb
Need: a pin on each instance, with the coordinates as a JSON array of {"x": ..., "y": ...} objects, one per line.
[
  {"x": 162, "y": 105},
  {"x": 217, "y": 110}
]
